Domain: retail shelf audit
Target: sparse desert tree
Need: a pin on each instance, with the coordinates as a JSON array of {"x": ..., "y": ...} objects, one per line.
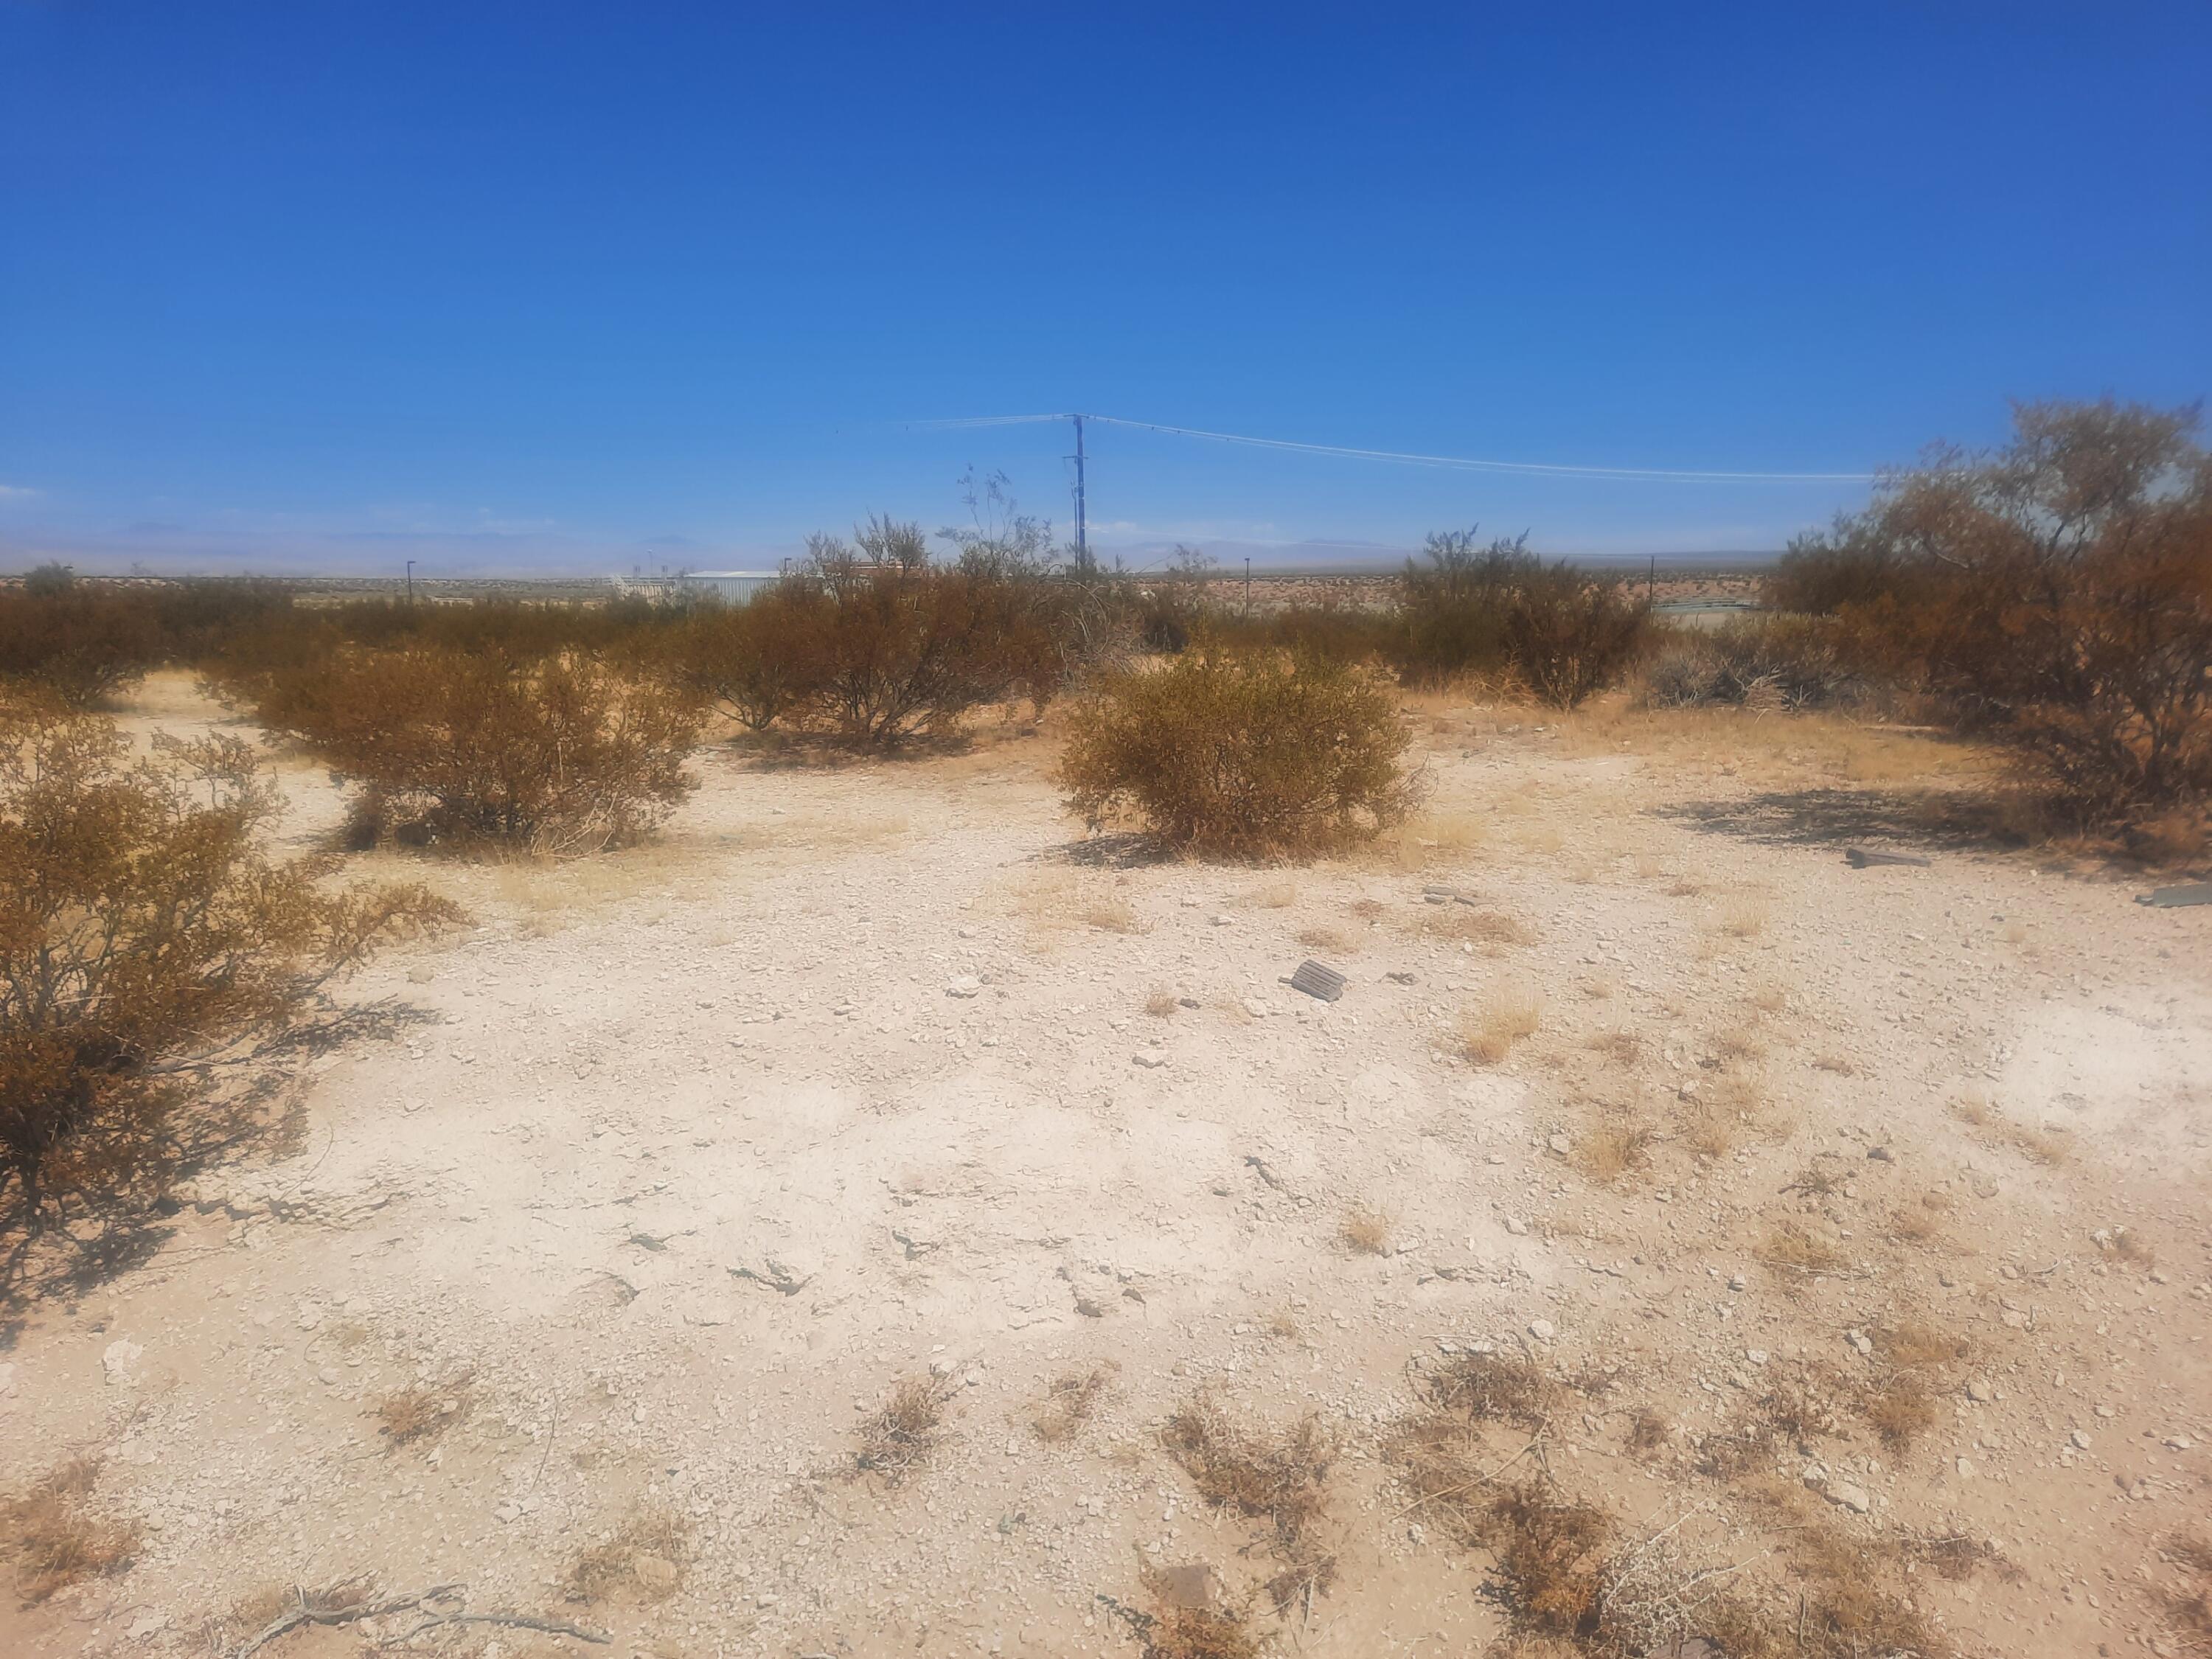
[
  {"x": 761, "y": 662},
  {"x": 1248, "y": 754},
  {"x": 558, "y": 755},
  {"x": 2057, "y": 593},
  {"x": 146, "y": 939}
]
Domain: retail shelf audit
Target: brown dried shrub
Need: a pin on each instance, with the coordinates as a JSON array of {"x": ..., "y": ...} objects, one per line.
[
  {"x": 51, "y": 1537},
  {"x": 75, "y": 642},
  {"x": 1281, "y": 1478},
  {"x": 1069, "y": 1402},
  {"x": 1245, "y": 756},
  {"x": 910, "y": 1426},
  {"x": 145, "y": 936},
  {"x": 2052, "y": 594},
  {"x": 558, "y": 755},
  {"x": 1365, "y": 1231},
  {"x": 642, "y": 1561}
]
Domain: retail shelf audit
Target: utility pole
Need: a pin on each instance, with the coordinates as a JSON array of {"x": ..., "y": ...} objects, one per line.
[
  {"x": 1248, "y": 587},
  {"x": 1652, "y": 583},
  {"x": 1082, "y": 529},
  {"x": 411, "y": 581}
]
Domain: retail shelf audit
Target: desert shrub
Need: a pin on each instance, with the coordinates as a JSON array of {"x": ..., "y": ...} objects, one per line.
[
  {"x": 2056, "y": 594},
  {"x": 903, "y": 647},
  {"x": 145, "y": 938},
  {"x": 758, "y": 661},
  {"x": 561, "y": 755},
  {"x": 1452, "y": 621},
  {"x": 76, "y": 640},
  {"x": 1242, "y": 753},
  {"x": 1770, "y": 662},
  {"x": 1499, "y": 611},
  {"x": 52, "y": 1537},
  {"x": 202, "y": 618},
  {"x": 1569, "y": 635}
]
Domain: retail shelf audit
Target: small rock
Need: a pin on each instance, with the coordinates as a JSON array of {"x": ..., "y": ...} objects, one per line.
[
  {"x": 1755, "y": 1356},
  {"x": 120, "y": 1362},
  {"x": 1222, "y": 920},
  {"x": 1542, "y": 1329},
  {"x": 1256, "y": 1008},
  {"x": 2080, "y": 1441},
  {"x": 328, "y": 1376},
  {"x": 1560, "y": 1145},
  {"x": 2173, "y": 1442},
  {"x": 963, "y": 985},
  {"x": 508, "y": 1512},
  {"x": 1150, "y": 1058},
  {"x": 1515, "y": 1226},
  {"x": 1966, "y": 1468},
  {"x": 1861, "y": 1343},
  {"x": 1738, "y": 1282},
  {"x": 1881, "y": 1155},
  {"x": 1854, "y": 1498},
  {"x": 1980, "y": 1392}
]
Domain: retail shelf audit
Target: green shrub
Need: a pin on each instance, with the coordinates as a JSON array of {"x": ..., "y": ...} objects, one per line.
[
  {"x": 1251, "y": 754},
  {"x": 145, "y": 936},
  {"x": 559, "y": 756}
]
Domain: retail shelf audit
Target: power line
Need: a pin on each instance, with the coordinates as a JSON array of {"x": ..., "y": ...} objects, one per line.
[{"x": 1459, "y": 463}]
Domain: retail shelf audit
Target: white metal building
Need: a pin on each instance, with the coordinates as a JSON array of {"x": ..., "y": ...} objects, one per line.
[{"x": 731, "y": 587}]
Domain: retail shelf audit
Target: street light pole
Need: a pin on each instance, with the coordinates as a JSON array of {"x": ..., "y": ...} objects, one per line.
[{"x": 411, "y": 581}]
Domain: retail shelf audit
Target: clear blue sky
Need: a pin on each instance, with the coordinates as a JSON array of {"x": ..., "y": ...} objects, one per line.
[{"x": 345, "y": 281}]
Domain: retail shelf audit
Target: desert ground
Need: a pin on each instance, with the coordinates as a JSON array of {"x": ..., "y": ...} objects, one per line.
[{"x": 585, "y": 1290}]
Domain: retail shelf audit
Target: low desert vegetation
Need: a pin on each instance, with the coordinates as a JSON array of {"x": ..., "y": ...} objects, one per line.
[
  {"x": 79, "y": 643},
  {"x": 52, "y": 1535},
  {"x": 640, "y": 1561},
  {"x": 1280, "y": 1477},
  {"x": 2052, "y": 596},
  {"x": 1489, "y": 1031},
  {"x": 148, "y": 945},
  {"x": 1497, "y": 614},
  {"x": 421, "y": 1412},
  {"x": 1069, "y": 1401},
  {"x": 555, "y": 756},
  {"x": 1365, "y": 1231},
  {"x": 899, "y": 1437},
  {"x": 1240, "y": 755}
]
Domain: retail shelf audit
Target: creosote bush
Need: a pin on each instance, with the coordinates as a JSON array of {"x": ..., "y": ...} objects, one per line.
[
  {"x": 1502, "y": 614},
  {"x": 557, "y": 756},
  {"x": 2056, "y": 595},
  {"x": 73, "y": 640},
  {"x": 1244, "y": 755},
  {"x": 145, "y": 938}
]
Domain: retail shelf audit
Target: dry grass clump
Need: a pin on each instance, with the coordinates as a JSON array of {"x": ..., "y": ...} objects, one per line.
[
  {"x": 422, "y": 1411},
  {"x": 1279, "y": 894},
  {"x": 1745, "y": 915},
  {"x": 1112, "y": 915},
  {"x": 1321, "y": 937},
  {"x": 1621, "y": 1047},
  {"x": 1914, "y": 1344},
  {"x": 900, "y": 1436},
  {"x": 53, "y": 1538},
  {"x": 1162, "y": 1005},
  {"x": 1508, "y": 1014},
  {"x": 2187, "y": 1609},
  {"x": 1365, "y": 1231},
  {"x": 1248, "y": 754},
  {"x": 1069, "y": 1402},
  {"x": 1492, "y": 927},
  {"x": 641, "y": 1560},
  {"x": 1178, "y": 1632},
  {"x": 1919, "y": 1221},
  {"x": 1497, "y": 1388},
  {"x": 1611, "y": 1149},
  {"x": 1551, "y": 1560},
  {"x": 1901, "y": 1410},
  {"x": 1280, "y": 1478},
  {"x": 1793, "y": 1247},
  {"x": 2043, "y": 1146},
  {"x": 2132, "y": 1247}
]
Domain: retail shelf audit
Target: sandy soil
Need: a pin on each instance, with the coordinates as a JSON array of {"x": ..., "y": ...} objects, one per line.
[{"x": 698, "y": 1151}]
